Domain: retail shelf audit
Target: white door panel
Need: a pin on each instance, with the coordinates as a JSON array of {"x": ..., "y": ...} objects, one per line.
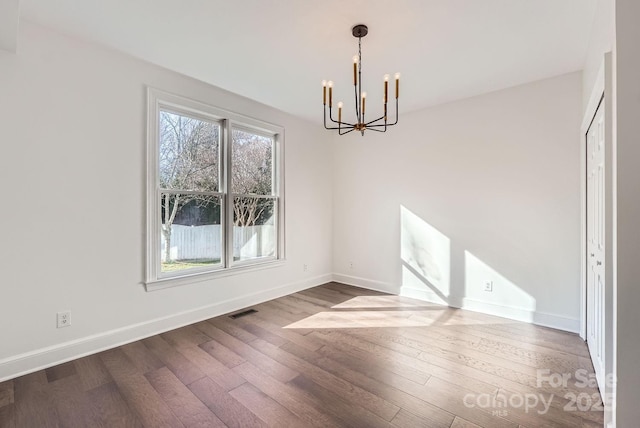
[{"x": 595, "y": 140}]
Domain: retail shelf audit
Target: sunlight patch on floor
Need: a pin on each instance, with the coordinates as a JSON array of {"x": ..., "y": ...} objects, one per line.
[
  {"x": 366, "y": 302},
  {"x": 390, "y": 311},
  {"x": 362, "y": 319}
]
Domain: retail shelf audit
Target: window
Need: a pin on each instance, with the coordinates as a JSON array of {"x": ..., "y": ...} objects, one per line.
[
  {"x": 254, "y": 204},
  {"x": 214, "y": 200}
]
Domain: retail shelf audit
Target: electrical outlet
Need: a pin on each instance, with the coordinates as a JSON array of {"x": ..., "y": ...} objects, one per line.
[
  {"x": 350, "y": 265},
  {"x": 64, "y": 319},
  {"x": 488, "y": 286},
  {"x": 305, "y": 268}
]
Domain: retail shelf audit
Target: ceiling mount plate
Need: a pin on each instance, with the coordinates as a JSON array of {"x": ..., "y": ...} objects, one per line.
[{"x": 359, "y": 30}]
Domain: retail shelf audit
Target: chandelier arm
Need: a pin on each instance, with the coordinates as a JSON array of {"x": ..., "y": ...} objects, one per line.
[
  {"x": 344, "y": 124},
  {"x": 373, "y": 121},
  {"x": 336, "y": 127},
  {"x": 325, "y": 118},
  {"x": 336, "y": 121},
  {"x": 380, "y": 125},
  {"x": 331, "y": 117},
  {"x": 372, "y": 125},
  {"x": 343, "y": 132},
  {"x": 375, "y": 127},
  {"x": 391, "y": 124},
  {"x": 339, "y": 127}
]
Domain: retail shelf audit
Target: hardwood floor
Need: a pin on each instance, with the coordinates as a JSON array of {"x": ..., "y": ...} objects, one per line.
[{"x": 330, "y": 356}]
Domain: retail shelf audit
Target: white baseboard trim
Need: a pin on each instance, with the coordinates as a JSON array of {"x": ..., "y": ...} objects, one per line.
[
  {"x": 559, "y": 322},
  {"x": 543, "y": 319},
  {"x": 572, "y": 325},
  {"x": 369, "y": 284},
  {"x": 39, "y": 359},
  {"x": 427, "y": 296}
]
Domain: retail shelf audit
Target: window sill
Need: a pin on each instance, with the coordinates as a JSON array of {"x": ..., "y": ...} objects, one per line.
[{"x": 162, "y": 283}]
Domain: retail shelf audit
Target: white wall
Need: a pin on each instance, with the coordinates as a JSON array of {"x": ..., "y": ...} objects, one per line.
[
  {"x": 481, "y": 189},
  {"x": 73, "y": 120},
  {"x": 9, "y": 18},
  {"x": 627, "y": 216}
]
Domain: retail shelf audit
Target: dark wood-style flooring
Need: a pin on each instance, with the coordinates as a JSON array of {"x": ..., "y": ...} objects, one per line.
[{"x": 330, "y": 356}]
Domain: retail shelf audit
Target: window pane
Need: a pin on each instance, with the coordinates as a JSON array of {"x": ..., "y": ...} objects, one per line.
[
  {"x": 191, "y": 235},
  {"x": 189, "y": 153},
  {"x": 251, "y": 163},
  {"x": 254, "y": 233}
]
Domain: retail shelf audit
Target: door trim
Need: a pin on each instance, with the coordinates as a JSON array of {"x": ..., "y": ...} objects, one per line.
[{"x": 602, "y": 91}]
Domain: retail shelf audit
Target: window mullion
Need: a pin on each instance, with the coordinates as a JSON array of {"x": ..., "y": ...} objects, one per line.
[
  {"x": 276, "y": 191},
  {"x": 228, "y": 226}
]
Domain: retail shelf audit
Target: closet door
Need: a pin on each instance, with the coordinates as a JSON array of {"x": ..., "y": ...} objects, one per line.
[{"x": 595, "y": 140}]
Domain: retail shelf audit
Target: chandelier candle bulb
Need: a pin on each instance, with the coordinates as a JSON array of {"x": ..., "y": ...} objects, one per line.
[
  {"x": 397, "y": 84},
  {"x": 386, "y": 87},
  {"x": 355, "y": 69},
  {"x": 324, "y": 92},
  {"x": 339, "y": 112},
  {"x": 364, "y": 97},
  {"x": 331, "y": 92}
]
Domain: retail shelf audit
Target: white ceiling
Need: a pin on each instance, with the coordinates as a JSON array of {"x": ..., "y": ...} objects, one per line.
[{"x": 278, "y": 51}]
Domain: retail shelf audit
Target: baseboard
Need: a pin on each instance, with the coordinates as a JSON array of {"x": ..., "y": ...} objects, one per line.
[
  {"x": 429, "y": 296},
  {"x": 46, "y": 357},
  {"x": 543, "y": 319},
  {"x": 571, "y": 325},
  {"x": 369, "y": 284}
]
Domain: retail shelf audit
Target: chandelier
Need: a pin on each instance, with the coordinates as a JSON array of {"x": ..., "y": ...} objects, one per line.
[{"x": 380, "y": 124}]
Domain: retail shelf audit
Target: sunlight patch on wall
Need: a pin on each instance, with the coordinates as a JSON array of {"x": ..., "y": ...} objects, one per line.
[
  {"x": 504, "y": 292},
  {"x": 426, "y": 259}
]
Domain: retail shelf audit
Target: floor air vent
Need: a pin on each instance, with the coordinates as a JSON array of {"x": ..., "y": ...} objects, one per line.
[{"x": 243, "y": 313}]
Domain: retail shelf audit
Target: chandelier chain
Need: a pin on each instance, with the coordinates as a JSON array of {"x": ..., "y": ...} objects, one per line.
[{"x": 359, "y": 89}]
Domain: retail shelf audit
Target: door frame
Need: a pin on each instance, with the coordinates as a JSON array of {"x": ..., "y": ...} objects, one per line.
[{"x": 602, "y": 91}]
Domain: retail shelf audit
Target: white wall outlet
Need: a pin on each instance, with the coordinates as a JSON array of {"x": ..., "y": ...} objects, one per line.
[
  {"x": 488, "y": 286},
  {"x": 64, "y": 319},
  {"x": 305, "y": 267}
]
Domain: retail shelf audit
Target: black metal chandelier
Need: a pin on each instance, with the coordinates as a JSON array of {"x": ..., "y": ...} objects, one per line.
[{"x": 380, "y": 124}]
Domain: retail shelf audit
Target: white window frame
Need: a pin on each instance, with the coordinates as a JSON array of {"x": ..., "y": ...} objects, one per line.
[{"x": 159, "y": 100}]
